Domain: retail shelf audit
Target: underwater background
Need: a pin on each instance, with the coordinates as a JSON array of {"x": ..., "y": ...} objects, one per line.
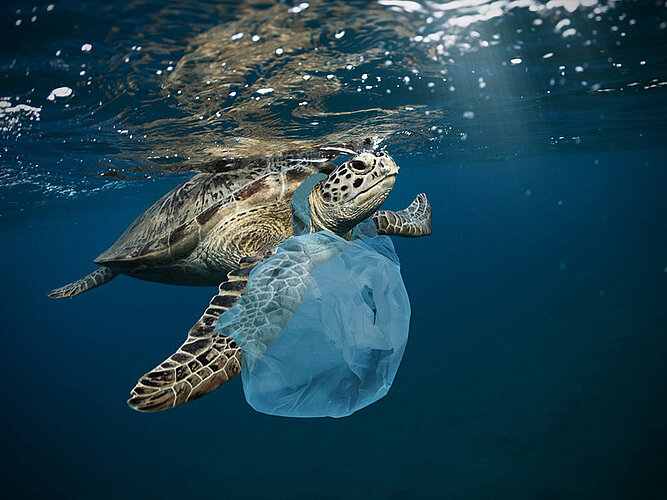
[{"x": 535, "y": 366}]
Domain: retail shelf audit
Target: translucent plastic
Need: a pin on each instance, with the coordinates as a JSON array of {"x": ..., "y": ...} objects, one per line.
[{"x": 323, "y": 324}]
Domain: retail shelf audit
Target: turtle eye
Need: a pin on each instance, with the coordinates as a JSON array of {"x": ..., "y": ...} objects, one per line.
[{"x": 357, "y": 165}]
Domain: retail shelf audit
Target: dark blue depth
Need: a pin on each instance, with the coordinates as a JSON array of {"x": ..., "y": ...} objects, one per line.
[{"x": 535, "y": 365}]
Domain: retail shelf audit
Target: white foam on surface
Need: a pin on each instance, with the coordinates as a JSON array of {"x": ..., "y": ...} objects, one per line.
[{"x": 59, "y": 92}]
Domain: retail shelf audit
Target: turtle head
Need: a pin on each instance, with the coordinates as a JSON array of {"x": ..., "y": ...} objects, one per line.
[{"x": 352, "y": 192}]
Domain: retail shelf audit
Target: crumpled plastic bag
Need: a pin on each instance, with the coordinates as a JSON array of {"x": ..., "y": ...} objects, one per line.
[{"x": 323, "y": 324}]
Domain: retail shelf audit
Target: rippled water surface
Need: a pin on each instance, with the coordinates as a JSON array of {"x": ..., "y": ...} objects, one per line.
[
  {"x": 107, "y": 89},
  {"x": 535, "y": 366}
]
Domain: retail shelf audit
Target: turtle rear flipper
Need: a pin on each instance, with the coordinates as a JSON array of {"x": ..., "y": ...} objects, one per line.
[
  {"x": 98, "y": 277},
  {"x": 204, "y": 362}
]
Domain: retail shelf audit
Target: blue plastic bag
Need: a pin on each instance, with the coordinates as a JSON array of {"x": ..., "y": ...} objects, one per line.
[{"x": 323, "y": 324}]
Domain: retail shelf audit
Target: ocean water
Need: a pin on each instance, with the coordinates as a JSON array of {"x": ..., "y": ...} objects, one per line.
[{"x": 535, "y": 366}]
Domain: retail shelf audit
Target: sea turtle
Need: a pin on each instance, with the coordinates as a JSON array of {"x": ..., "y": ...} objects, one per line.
[{"x": 215, "y": 227}]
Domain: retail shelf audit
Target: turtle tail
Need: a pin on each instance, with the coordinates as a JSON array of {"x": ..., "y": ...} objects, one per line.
[{"x": 93, "y": 280}]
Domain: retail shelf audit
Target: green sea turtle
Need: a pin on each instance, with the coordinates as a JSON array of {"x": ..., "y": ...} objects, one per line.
[{"x": 215, "y": 227}]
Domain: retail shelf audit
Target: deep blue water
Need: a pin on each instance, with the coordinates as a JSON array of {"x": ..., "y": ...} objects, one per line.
[{"x": 535, "y": 366}]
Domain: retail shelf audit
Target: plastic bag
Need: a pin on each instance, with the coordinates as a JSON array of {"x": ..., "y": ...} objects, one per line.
[{"x": 323, "y": 324}]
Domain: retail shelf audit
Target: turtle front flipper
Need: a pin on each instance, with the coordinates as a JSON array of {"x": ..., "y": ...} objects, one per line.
[
  {"x": 410, "y": 222},
  {"x": 204, "y": 362},
  {"x": 98, "y": 277}
]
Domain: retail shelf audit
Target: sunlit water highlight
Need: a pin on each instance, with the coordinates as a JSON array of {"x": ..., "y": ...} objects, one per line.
[{"x": 87, "y": 94}]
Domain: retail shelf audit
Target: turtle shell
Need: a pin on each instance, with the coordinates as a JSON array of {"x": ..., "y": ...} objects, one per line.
[{"x": 174, "y": 225}]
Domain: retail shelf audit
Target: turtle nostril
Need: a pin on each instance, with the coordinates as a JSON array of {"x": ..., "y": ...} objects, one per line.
[{"x": 388, "y": 168}]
